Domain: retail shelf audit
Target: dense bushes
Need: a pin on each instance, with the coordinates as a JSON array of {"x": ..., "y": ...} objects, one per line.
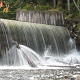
[{"x": 40, "y": 5}]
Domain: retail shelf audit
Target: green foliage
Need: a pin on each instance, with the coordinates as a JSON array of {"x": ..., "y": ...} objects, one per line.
[
  {"x": 59, "y": 3},
  {"x": 46, "y": 7},
  {"x": 36, "y": 7},
  {"x": 39, "y": 5},
  {"x": 69, "y": 16},
  {"x": 14, "y": 5},
  {"x": 78, "y": 27}
]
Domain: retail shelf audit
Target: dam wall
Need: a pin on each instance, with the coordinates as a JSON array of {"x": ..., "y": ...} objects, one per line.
[{"x": 42, "y": 17}]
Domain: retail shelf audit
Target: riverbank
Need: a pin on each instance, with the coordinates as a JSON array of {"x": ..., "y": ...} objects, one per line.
[{"x": 39, "y": 74}]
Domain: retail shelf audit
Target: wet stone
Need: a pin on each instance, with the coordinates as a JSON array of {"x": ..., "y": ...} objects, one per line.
[{"x": 34, "y": 74}]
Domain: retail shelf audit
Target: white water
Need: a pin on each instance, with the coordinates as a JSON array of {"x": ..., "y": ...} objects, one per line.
[
  {"x": 26, "y": 58},
  {"x": 21, "y": 57},
  {"x": 70, "y": 59}
]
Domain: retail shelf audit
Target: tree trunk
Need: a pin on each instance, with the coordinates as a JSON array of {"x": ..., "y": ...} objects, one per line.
[
  {"x": 78, "y": 2},
  {"x": 68, "y": 2},
  {"x": 75, "y": 2},
  {"x": 54, "y": 3}
]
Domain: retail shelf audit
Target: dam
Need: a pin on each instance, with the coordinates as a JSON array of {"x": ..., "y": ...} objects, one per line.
[{"x": 40, "y": 47}]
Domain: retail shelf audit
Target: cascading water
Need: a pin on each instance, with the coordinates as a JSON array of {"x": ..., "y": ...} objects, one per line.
[
  {"x": 44, "y": 43},
  {"x": 36, "y": 36},
  {"x": 21, "y": 57}
]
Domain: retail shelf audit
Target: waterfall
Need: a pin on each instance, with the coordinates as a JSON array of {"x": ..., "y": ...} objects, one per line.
[
  {"x": 37, "y": 42},
  {"x": 21, "y": 57},
  {"x": 36, "y": 36},
  {"x": 41, "y": 17}
]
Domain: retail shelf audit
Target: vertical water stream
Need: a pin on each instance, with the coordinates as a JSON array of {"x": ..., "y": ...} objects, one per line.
[{"x": 37, "y": 37}]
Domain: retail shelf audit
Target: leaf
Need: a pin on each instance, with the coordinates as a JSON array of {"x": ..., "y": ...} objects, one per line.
[
  {"x": 1, "y": 4},
  {"x": 5, "y": 10}
]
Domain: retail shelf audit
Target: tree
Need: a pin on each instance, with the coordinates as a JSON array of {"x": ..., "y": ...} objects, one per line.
[
  {"x": 54, "y": 3},
  {"x": 77, "y": 6},
  {"x": 68, "y": 3}
]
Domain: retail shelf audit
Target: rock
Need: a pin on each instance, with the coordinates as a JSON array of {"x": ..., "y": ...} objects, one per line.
[{"x": 78, "y": 77}]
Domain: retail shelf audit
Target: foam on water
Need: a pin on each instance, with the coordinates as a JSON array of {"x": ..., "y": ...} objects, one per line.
[
  {"x": 70, "y": 59},
  {"x": 26, "y": 58}
]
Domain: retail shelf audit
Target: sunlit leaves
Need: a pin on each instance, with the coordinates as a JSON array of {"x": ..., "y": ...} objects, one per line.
[
  {"x": 1, "y": 4},
  {"x": 5, "y": 10}
]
